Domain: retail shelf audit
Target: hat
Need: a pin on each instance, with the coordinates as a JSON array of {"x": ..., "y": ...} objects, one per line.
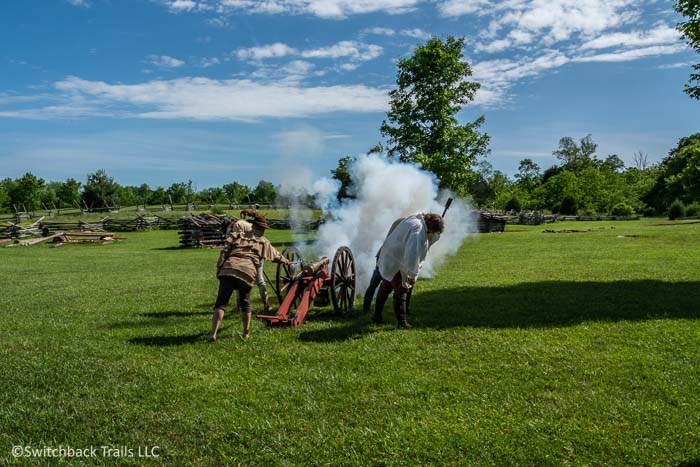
[{"x": 260, "y": 221}]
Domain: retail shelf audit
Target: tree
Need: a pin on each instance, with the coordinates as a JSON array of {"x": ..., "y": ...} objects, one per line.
[
  {"x": 576, "y": 157},
  {"x": 158, "y": 196},
  {"x": 26, "y": 191},
  {"x": 100, "y": 190},
  {"x": 690, "y": 29},
  {"x": 614, "y": 163},
  {"x": 265, "y": 192},
  {"x": 562, "y": 191},
  {"x": 422, "y": 126},
  {"x": 342, "y": 174},
  {"x": 236, "y": 192},
  {"x": 679, "y": 175},
  {"x": 177, "y": 192},
  {"x": 68, "y": 192},
  {"x": 641, "y": 160},
  {"x": 528, "y": 176},
  {"x": 4, "y": 193}
]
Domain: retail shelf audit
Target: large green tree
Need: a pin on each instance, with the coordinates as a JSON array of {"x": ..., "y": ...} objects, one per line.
[
  {"x": 265, "y": 192},
  {"x": 26, "y": 192},
  {"x": 690, "y": 29},
  {"x": 100, "y": 190},
  {"x": 576, "y": 157},
  {"x": 236, "y": 192},
  {"x": 678, "y": 176},
  {"x": 68, "y": 193},
  {"x": 342, "y": 174},
  {"x": 421, "y": 126}
]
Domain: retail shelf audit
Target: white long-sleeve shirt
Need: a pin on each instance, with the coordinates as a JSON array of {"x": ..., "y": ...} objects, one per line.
[{"x": 404, "y": 249}]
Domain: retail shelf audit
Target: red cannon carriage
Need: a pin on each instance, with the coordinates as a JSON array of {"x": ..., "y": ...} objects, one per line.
[{"x": 300, "y": 284}]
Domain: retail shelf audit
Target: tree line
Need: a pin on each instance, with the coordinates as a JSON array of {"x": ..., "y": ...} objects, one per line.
[
  {"x": 100, "y": 191},
  {"x": 433, "y": 86}
]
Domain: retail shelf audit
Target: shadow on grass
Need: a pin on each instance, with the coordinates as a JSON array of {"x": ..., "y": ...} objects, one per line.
[
  {"x": 537, "y": 304},
  {"x": 175, "y": 314},
  {"x": 168, "y": 341}
]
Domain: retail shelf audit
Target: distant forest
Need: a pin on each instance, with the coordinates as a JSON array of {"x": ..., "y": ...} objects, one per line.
[{"x": 582, "y": 183}]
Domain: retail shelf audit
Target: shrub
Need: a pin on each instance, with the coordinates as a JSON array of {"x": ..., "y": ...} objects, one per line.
[
  {"x": 217, "y": 210},
  {"x": 568, "y": 206},
  {"x": 649, "y": 211},
  {"x": 676, "y": 210},
  {"x": 693, "y": 209},
  {"x": 513, "y": 204},
  {"x": 622, "y": 209}
]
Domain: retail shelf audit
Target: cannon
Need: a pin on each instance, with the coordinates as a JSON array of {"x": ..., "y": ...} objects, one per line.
[{"x": 300, "y": 284}]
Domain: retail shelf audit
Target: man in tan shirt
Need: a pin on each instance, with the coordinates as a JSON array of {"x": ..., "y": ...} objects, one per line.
[
  {"x": 246, "y": 228},
  {"x": 237, "y": 270}
]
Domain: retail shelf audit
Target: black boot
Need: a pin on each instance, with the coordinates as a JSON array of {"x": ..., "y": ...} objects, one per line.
[
  {"x": 400, "y": 311},
  {"x": 379, "y": 301}
]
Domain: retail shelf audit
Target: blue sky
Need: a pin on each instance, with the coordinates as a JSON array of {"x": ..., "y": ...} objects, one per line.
[{"x": 162, "y": 91}]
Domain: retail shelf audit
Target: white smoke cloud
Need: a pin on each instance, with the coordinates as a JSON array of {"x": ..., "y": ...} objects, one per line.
[{"x": 384, "y": 192}]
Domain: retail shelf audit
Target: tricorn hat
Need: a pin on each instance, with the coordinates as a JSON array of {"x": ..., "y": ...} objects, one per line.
[{"x": 260, "y": 221}]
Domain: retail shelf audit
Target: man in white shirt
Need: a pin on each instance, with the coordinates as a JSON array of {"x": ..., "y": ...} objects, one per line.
[{"x": 400, "y": 259}]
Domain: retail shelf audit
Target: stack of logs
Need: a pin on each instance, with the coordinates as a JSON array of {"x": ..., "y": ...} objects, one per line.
[
  {"x": 203, "y": 230},
  {"x": 62, "y": 238}
]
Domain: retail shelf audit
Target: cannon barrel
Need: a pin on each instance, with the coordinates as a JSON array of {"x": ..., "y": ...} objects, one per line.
[{"x": 312, "y": 268}]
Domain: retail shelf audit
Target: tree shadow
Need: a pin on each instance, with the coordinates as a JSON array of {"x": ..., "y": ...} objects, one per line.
[
  {"x": 168, "y": 341},
  {"x": 538, "y": 305},
  {"x": 349, "y": 330},
  {"x": 171, "y": 314}
]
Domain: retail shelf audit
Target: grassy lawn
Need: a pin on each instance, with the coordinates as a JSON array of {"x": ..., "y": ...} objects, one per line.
[{"x": 528, "y": 348}]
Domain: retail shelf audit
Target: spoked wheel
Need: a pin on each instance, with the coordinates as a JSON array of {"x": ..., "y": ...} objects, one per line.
[
  {"x": 343, "y": 281},
  {"x": 286, "y": 273}
]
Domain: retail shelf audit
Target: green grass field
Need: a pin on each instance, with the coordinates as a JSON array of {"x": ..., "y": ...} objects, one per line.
[{"x": 528, "y": 348}]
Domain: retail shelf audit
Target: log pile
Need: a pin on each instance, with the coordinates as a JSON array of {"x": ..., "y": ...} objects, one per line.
[
  {"x": 53, "y": 227},
  {"x": 202, "y": 230},
  {"x": 62, "y": 238},
  {"x": 488, "y": 222},
  {"x": 139, "y": 224},
  {"x": 12, "y": 230}
]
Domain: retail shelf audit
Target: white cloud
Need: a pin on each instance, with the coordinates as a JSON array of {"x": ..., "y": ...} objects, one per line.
[
  {"x": 83, "y": 3},
  {"x": 497, "y": 77},
  {"x": 165, "y": 61},
  {"x": 660, "y": 35},
  {"x": 634, "y": 54},
  {"x": 416, "y": 33},
  {"x": 275, "y": 50},
  {"x": 182, "y": 5},
  {"x": 203, "y": 99},
  {"x": 676, "y": 65},
  {"x": 462, "y": 7},
  {"x": 379, "y": 31},
  {"x": 353, "y": 50},
  {"x": 208, "y": 62},
  {"x": 494, "y": 46},
  {"x": 335, "y": 9}
]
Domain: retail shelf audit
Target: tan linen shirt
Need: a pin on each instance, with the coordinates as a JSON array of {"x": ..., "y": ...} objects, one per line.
[{"x": 242, "y": 255}]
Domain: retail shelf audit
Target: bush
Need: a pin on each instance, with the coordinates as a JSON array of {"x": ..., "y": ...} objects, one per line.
[
  {"x": 649, "y": 211},
  {"x": 676, "y": 210},
  {"x": 513, "y": 204},
  {"x": 622, "y": 209},
  {"x": 568, "y": 206},
  {"x": 217, "y": 210},
  {"x": 693, "y": 209}
]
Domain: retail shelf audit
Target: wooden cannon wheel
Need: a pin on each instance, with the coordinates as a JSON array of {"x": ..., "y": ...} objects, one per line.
[
  {"x": 343, "y": 281},
  {"x": 286, "y": 273}
]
